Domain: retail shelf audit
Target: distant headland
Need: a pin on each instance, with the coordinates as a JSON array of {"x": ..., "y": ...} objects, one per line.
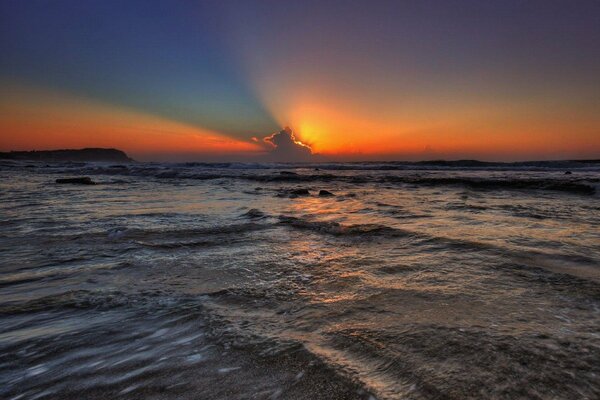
[{"x": 80, "y": 155}]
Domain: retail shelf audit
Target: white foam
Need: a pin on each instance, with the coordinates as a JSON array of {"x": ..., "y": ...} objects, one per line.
[
  {"x": 194, "y": 358},
  {"x": 37, "y": 370},
  {"x": 226, "y": 370},
  {"x": 117, "y": 233},
  {"x": 129, "y": 389}
]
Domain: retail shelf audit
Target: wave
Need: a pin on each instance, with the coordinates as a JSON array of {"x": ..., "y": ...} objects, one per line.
[
  {"x": 129, "y": 238},
  {"x": 337, "y": 229},
  {"x": 585, "y": 184},
  {"x": 591, "y": 164},
  {"x": 137, "y": 234},
  {"x": 518, "y": 184},
  {"x": 119, "y": 241},
  {"x": 141, "y": 351},
  {"x": 587, "y": 187},
  {"x": 581, "y": 269},
  {"x": 418, "y": 361},
  {"x": 78, "y": 299}
]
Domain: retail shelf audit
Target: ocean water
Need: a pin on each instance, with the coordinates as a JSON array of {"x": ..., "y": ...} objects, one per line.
[{"x": 230, "y": 281}]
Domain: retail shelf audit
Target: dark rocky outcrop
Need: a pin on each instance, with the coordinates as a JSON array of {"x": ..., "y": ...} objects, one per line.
[
  {"x": 300, "y": 192},
  {"x": 293, "y": 193},
  {"x": 82, "y": 180},
  {"x": 81, "y": 155},
  {"x": 325, "y": 193}
]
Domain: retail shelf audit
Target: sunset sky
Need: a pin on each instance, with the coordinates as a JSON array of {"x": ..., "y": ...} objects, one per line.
[{"x": 355, "y": 80}]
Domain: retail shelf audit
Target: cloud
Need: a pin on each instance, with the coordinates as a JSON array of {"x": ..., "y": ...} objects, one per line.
[{"x": 285, "y": 147}]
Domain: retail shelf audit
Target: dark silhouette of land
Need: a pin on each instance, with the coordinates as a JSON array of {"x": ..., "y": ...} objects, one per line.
[
  {"x": 119, "y": 156},
  {"x": 81, "y": 155}
]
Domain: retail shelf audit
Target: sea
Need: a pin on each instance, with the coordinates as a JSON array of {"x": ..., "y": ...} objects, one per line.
[{"x": 442, "y": 280}]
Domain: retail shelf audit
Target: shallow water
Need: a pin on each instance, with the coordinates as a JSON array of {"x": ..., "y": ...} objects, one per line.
[{"x": 217, "y": 281}]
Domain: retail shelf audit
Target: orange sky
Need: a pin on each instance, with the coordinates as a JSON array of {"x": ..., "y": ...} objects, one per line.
[
  {"x": 32, "y": 118},
  {"x": 37, "y": 119},
  {"x": 492, "y": 131}
]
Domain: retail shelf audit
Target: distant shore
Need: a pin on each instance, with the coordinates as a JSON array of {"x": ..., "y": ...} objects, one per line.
[
  {"x": 81, "y": 155},
  {"x": 116, "y": 155}
]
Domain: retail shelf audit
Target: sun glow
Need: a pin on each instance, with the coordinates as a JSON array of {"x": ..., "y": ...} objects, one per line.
[
  {"x": 340, "y": 127},
  {"x": 299, "y": 142}
]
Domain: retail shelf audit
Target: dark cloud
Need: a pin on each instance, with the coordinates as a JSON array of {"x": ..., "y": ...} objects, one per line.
[{"x": 286, "y": 148}]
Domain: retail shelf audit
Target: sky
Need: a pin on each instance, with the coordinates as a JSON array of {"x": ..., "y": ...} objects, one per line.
[{"x": 353, "y": 80}]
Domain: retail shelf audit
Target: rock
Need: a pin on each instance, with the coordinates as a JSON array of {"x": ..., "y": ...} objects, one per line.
[
  {"x": 325, "y": 193},
  {"x": 568, "y": 173},
  {"x": 84, "y": 180},
  {"x": 300, "y": 192},
  {"x": 292, "y": 193},
  {"x": 288, "y": 173},
  {"x": 254, "y": 213}
]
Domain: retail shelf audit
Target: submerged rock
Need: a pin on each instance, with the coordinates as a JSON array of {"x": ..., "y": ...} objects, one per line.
[
  {"x": 300, "y": 192},
  {"x": 254, "y": 213},
  {"x": 325, "y": 193},
  {"x": 288, "y": 173},
  {"x": 83, "y": 180}
]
